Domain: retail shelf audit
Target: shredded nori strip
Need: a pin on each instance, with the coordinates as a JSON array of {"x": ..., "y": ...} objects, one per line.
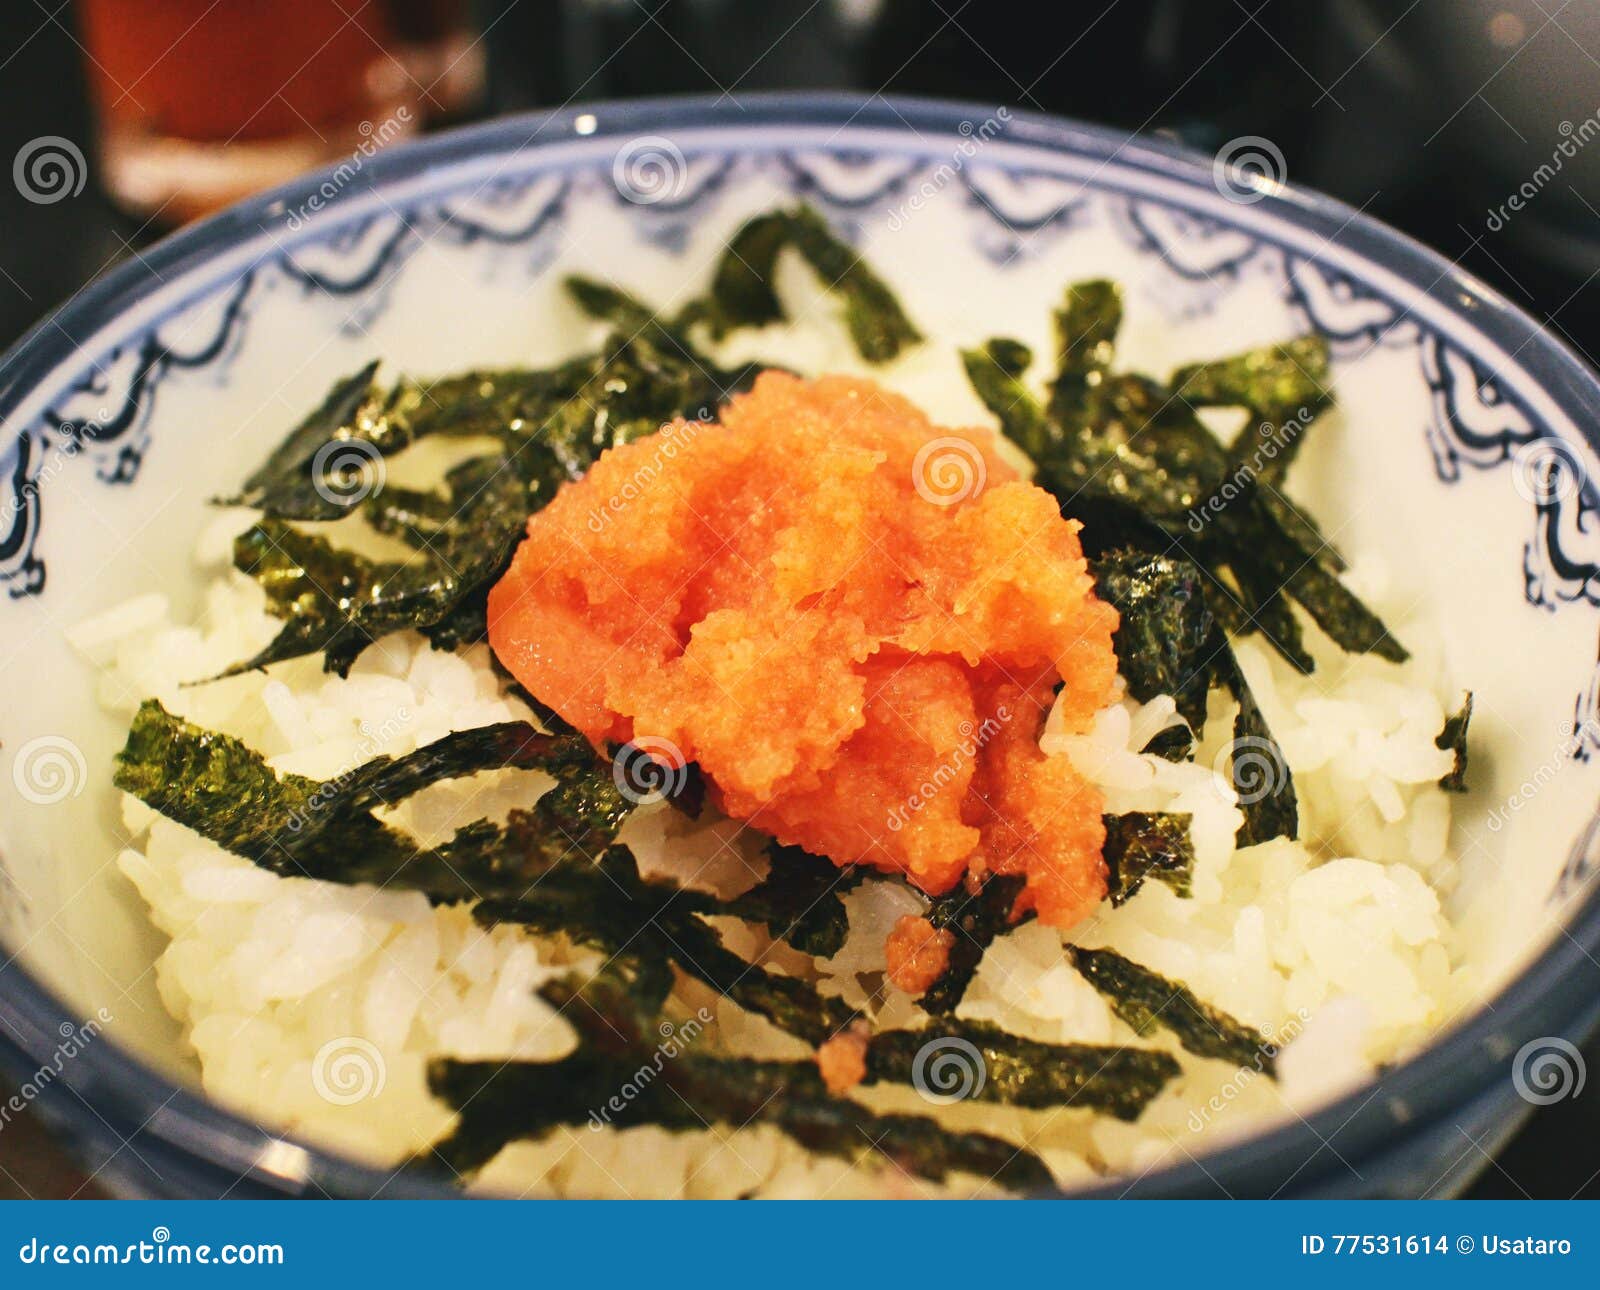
[
  {"x": 1165, "y": 636},
  {"x": 1146, "y": 999},
  {"x": 976, "y": 920},
  {"x": 336, "y": 602},
  {"x": 1086, "y": 328},
  {"x": 786, "y": 1001},
  {"x": 799, "y": 901},
  {"x": 360, "y": 415},
  {"x": 1454, "y": 738},
  {"x": 549, "y": 868},
  {"x": 1168, "y": 642},
  {"x": 1148, "y": 844},
  {"x": 1129, "y": 457},
  {"x": 500, "y": 1102},
  {"x": 996, "y": 369},
  {"x": 1275, "y": 383},
  {"x": 299, "y": 827},
  {"x": 1019, "y": 1072},
  {"x": 1022, "y": 1072},
  {"x": 552, "y": 425},
  {"x": 1259, "y": 770},
  {"x": 742, "y": 295},
  {"x": 611, "y": 909}
]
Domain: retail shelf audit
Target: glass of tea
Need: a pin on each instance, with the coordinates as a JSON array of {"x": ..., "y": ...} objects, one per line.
[{"x": 200, "y": 103}]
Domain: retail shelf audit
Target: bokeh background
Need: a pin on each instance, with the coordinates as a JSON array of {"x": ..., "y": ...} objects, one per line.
[{"x": 1473, "y": 125}]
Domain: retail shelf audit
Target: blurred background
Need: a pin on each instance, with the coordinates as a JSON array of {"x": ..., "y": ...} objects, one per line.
[{"x": 123, "y": 119}]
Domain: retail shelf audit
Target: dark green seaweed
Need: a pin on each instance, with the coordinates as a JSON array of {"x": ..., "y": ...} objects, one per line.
[
  {"x": 1274, "y": 383},
  {"x": 1259, "y": 770},
  {"x": 1145, "y": 999},
  {"x": 1454, "y": 738},
  {"x": 1168, "y": 642},
  {"x": 996, "y": 369},
  {"x": 336, "y": 602},
  {"x": 976, "y": 920},
  {"x": 686, "y": 1090},
  {"x": 1165, "y": 638},
  {"x": 742, "y": 294},
  {"x": 799, "y": 901},
  {"x": 1086, "y": 328},
  {"x": 1148, "y": 844},
  {"x": 1129, "y": 457},
  {"x": 552, "y": 425},
  {"x": 986, "y": 1064},
  {"x": 299, "y": 827}
]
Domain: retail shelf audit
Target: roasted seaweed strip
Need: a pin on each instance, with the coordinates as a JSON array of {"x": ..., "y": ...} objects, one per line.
[
  {"x": 976, "y": 920},
  {"x": 336, "y": 602},
  {"x": 987, "y": 1064},
  {"x": 1256, "y": 764},
  {"x": 1129, "y": 457},
  {"x": 657, "y": 923},
  {"x": 996, "y": 370},
  {"x": 1454, "y": 738},
  {"x": 742, "y": 295},
  {"x": 552, "y": 425},
  {"x": 1145, "y": 999},
  {"x": 1144, "y": 845},
  {"x": 299, "y": 827},
  {"x": 799, "y": 901},
  {"x": 502, "y": 1102},
  {"x": 1165, "y": 639}
]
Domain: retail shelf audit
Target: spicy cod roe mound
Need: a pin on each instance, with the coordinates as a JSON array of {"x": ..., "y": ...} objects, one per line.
[{"x": 853, "y": 620}]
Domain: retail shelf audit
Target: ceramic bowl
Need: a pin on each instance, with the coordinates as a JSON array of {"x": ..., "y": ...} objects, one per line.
[{"x": 1461, "y": 454}]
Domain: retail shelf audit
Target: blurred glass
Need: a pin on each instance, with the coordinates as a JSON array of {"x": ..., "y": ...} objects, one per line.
[{"x": 200, "y": 103}]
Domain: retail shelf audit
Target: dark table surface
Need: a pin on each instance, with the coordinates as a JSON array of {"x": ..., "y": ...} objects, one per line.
[{"x": 48, "y": 252}]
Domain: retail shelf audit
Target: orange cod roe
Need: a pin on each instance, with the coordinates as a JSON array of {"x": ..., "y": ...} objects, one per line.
[
  {"x": 917, "y": 953},
  {"x": 853, "y": 620}
]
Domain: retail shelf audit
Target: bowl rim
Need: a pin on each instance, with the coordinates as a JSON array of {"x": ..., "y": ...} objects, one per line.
[{"x": 220, "y": 1150}]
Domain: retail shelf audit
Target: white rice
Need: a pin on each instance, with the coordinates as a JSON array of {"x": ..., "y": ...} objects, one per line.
[{"x": 315, "y": 1007}]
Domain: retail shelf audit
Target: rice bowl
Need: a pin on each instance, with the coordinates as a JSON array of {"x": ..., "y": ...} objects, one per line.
[{"x": 316, "y": 1007}]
